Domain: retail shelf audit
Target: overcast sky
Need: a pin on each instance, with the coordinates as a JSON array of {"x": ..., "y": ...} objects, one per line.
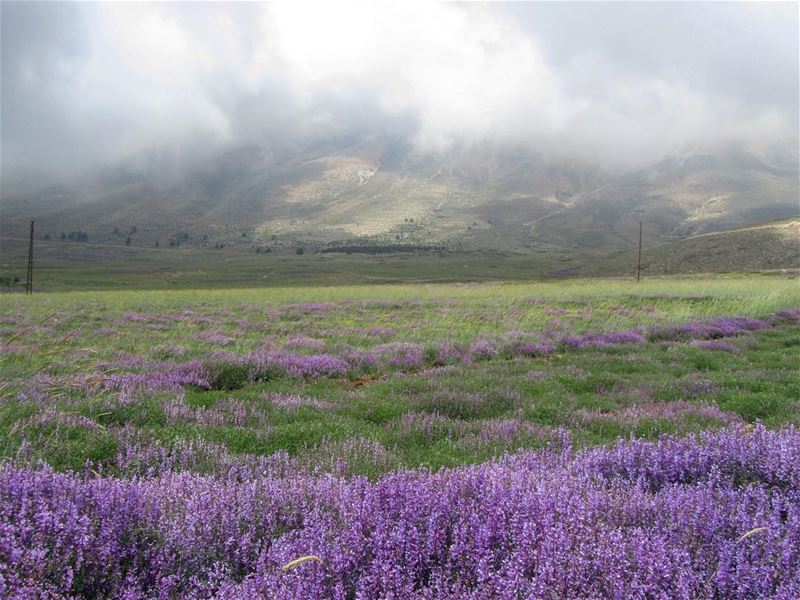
[{"x": 86, "y": 84}]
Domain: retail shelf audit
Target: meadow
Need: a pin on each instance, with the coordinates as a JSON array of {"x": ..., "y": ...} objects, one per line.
[
  {"x": 65, "y": 266},
  {"x": 581, "y": 438}
]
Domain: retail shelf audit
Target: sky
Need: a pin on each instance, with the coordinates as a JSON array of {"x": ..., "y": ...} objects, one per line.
[{"x": 88, "y": 85}]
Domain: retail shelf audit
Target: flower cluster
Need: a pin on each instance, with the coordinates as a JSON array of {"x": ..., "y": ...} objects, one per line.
[
  {"x": 171, "y": 379},
  {"x": 601, "y": 340},
  {"x": 717, "y": 345},
  {"x": 710, "y": 517},
  {"x": 303, "y": 341},
  {"x": 717, "y": 328},
  {"x": 482, "y": 349},
  {"x": 266, "y": 362},
  {"x": 400, "y": 355},
  {"x": 227, "y": 370}
]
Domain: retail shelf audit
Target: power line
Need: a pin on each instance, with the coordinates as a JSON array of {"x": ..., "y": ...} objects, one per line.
[
  {"x": 29, "y": 279},
  {"x": 639, "y": 257}
]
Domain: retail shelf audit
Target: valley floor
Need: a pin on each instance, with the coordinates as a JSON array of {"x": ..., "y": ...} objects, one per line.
[{"x": 588, "y": 438}]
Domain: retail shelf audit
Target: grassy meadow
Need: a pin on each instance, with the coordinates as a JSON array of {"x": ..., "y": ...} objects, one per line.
[
  {"x": 433, "y": 375},
  {"x": 64, "y": 266},
  {"x": 578, "y": 439}
]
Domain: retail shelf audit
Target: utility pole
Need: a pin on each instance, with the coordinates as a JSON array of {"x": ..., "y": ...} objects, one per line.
[
  {"x": 638, "y": 259},
  {"x": 29, "y": 279}
]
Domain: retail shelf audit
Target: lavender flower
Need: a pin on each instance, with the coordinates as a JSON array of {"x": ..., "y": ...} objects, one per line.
[
  {"x": 699, "y": 387},
  {"x": 138, "y": 317},
  {"x": 435, "y": 371},
  {"x": 711, "y": 516},
  {"x": 382, "y": 332},
  {"x": 448, "y": 352},
  {"x": 531, "y": 349},
  {"x": 172, "y": 379},
  {"x": 266, "y": 362},
  {"x": 717, "y": 328},
  {"x": 714, "y": 345},
  {"x": 302, "y": 341},
  {"x": 672, "y": 411},
  {"x": 790, "y": 315},
  {"x": 400, "y": 355},
  {"x": 315, "y": 308},
  {"x": 214, "y": 337},
  {"x": 601, "y": 340},
  {"x": 482, "y": 349}
]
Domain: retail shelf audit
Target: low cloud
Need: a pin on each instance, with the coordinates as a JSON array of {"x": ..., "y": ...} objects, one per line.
[{"x": 85, "y": 85}]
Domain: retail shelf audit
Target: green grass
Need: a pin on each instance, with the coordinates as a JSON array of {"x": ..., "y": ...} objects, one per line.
[
  {"x": 465, "y": 415},
  {"x": 72, "y": 266}
]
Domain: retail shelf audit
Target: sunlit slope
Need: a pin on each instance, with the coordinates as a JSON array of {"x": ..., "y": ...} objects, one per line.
[
  {"x": 694, "y": 193},
  {"x": 380, "y": 193},
  {"x": 774, "y": 245}
]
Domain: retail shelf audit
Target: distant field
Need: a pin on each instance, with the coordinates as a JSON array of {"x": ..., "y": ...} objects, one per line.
[
  {"x": 206, "y": 395},
  {"x": 76, "y": 266},
  {"x": 73, "y": 266}
]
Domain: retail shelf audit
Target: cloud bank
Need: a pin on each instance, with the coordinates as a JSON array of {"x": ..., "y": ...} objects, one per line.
[{"x": 86, "y": 85}]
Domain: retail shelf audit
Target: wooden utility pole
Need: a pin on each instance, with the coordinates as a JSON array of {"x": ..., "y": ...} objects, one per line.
[
  {"x": 639, "y": 257},
  {"x": 29, "y": 279}
]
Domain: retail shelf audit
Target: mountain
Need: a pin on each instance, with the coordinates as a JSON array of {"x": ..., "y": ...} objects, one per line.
[
  {"x": 771, "y": 246},
  {"x": 379, "y": 195},
  {"x": 684, "y": 195}
]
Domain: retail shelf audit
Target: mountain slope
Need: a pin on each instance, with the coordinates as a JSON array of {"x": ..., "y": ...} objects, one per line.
[
  {"x": 770, "y": 246},
  {"x": 376, "y": 192},
  {"x": 681, "y": 196}
]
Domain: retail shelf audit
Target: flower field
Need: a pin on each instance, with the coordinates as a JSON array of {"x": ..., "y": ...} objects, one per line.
[{"x": 572, "y": 440}]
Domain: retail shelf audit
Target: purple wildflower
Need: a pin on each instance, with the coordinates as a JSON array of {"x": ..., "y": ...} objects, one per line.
[
  {"x": 266, "y": 362},
  {"x": 532, "y": 349},
  {"x": 482, "y": 349},
  {"x": 214, "y": 337},
  {"x": 640, "y": 519},
  {"x": 790, "y": 315},
  {"x": 717, "y": 345},
  {"x": 382, "y": 332},
  {"x": 699, "y": 388},
  {"x": 601, "y": 340},
  {"x": 400, "y": 355},
  {"x": 314, "y": 308},
  {"x": 448, "y": 352},
  {"x": 302, "y": 341}
]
